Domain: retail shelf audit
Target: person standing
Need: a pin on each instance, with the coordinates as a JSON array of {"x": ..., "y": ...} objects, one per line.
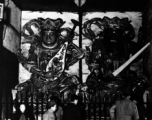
[
  {"x": 59, "y": 110},
  {"x": 140, "y": 108},
  {"x": 72, "y": 111},
  {"x": 147, "y": 104},
  {"x": 49, "y": 114},
  {"x": 21, "y": 112},
  {"x": 124, "y": 109}
]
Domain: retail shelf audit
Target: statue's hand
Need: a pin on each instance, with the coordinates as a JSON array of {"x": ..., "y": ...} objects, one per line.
[
  {"x": 49, "y": 74},
  {"x": 20, "y": 56},
  {"x": 88, "y": 49},
  {"x": 18, "y": 53},
  {"x": 110, "y": 75}
]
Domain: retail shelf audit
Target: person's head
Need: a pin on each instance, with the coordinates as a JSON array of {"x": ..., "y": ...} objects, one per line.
[
  {"x": 127, "y": 94},
  {"x": 56, "y": 98},
  {"x": 52, "y": 105},
  {"x": 134, "y": 99},
  {"x": 22, "y": 108},
  {"x": 74, "y": 98}
]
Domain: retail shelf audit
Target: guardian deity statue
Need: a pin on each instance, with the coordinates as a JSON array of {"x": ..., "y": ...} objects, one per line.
[{"x": 51, "y": 53}]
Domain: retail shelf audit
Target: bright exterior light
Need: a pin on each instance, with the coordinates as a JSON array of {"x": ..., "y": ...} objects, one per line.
[{"x": 79, "y": 3}]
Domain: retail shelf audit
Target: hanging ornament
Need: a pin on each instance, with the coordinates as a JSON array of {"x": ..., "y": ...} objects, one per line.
[{"x": 79, "y": 3}]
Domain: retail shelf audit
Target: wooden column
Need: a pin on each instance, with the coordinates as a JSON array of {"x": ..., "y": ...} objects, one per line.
[
  {"x": 80, "y": 38},
  {"x": 1, "y": 60},
  {"x": 147, "y": 25}
]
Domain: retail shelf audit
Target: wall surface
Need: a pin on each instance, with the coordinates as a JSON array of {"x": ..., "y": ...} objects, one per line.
[
  {"x": 11, "y": 40},
  {"x": 12, "y": 20},
  {"x": 147, "y": 23}
]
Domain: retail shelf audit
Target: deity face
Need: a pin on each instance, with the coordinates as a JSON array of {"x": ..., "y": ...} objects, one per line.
[{"x": 49, "y": 37}]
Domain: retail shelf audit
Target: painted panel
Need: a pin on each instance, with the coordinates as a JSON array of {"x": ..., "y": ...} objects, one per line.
[{"x": 134, "y": 17}]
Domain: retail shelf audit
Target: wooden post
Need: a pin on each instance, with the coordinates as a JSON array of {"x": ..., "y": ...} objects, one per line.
[{"x": 1, "y": 67}]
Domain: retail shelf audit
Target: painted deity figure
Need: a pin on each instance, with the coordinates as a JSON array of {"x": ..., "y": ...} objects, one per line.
[
  {"x": 112, "y": 44},
  {"x": 51, "y": 52},
  {"x": 111, "y": 41}
]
